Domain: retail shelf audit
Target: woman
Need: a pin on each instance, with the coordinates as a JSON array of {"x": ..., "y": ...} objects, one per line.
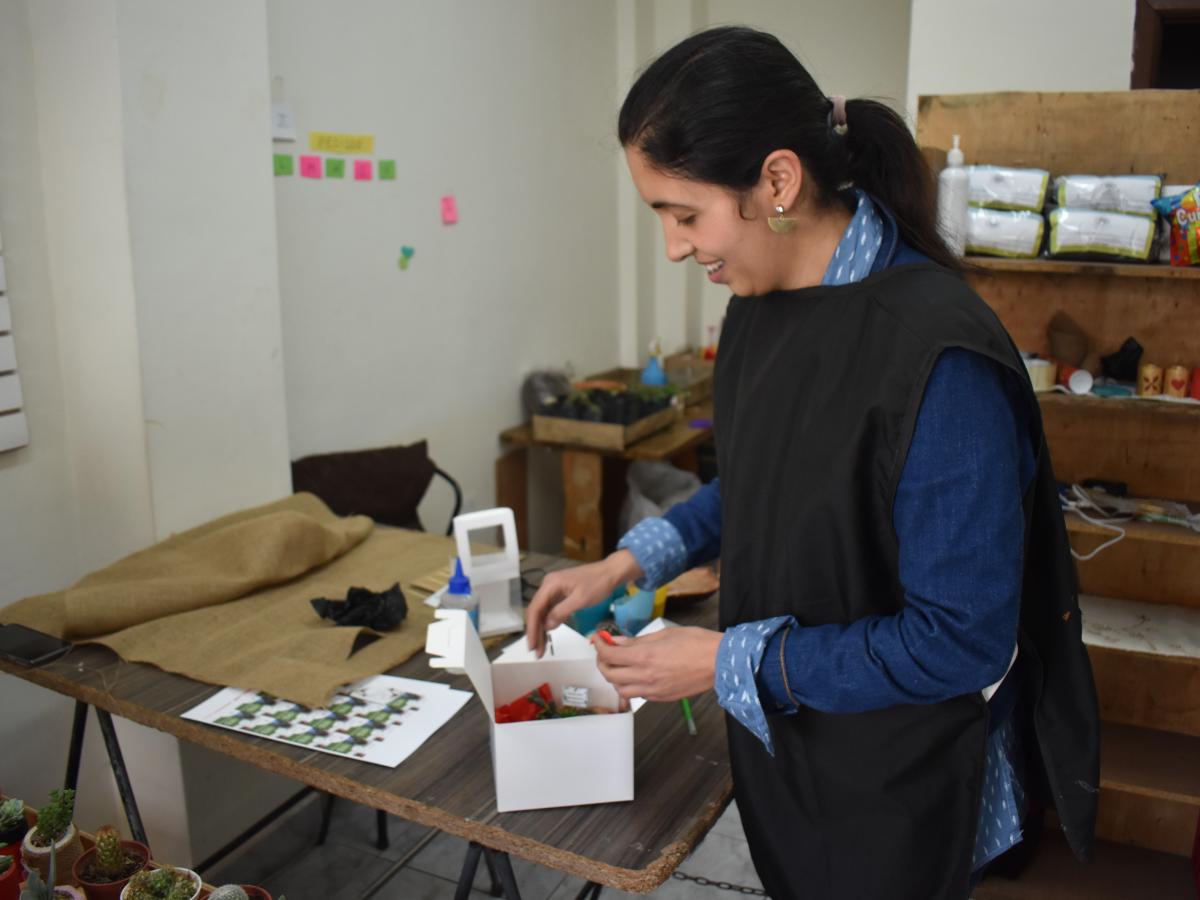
[{"x": 898, "y": 605}]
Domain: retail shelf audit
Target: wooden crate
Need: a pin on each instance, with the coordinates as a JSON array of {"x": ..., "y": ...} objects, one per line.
[{"x": 601, "y": 435}]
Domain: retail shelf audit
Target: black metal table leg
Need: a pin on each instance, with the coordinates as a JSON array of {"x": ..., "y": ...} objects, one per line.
[
  {"x": 75, "y": 751},
  {"x": 589, "y": 891},
  {"x": 504, "y": 868},
  {"x": 117, "y": 761},
  {"x": 326, "y": 815},
  {"x": 496, "y": 890},
  {"x": 467, "y": 876},
  {"x": 381, "y": 829}
]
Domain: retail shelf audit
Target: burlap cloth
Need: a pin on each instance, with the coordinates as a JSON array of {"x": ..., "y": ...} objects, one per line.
[{"x": 227, "y": 602}]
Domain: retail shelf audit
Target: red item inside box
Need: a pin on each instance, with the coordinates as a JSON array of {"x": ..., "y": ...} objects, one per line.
[{"x": 534, "y": 705}]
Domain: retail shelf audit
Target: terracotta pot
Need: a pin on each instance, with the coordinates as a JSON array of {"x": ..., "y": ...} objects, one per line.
[
  {"x": 254, "y": 892},
  {"x": 108, "y": 890},
  {"x": 10, "y": 881},
  {"x": 69, "y": 848},
  {"x": 195, "y": 880},
  {"x": 13, "y": 838}
]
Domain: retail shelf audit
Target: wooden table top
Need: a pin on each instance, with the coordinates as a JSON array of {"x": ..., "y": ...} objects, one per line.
[
  {"x": 682, "y": 783},
  {"x": 658, "y": 446}
]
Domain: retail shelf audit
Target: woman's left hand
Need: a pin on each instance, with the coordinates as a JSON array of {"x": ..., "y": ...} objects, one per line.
[{"x": 666, "y": 665}]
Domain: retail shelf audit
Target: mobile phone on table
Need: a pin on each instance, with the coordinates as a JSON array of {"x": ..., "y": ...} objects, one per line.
[{"x": 28, "y": 647}]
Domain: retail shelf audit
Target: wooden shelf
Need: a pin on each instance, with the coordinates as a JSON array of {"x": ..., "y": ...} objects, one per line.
[
  {"x": 1116, "y": 872},
  {"x": 1070, "y": 267},
  {"x": 1054, "y": 401},
  {"x": 1150, "y": 763},
  {"x": 1149, "y": 445},
  {"x": 1152, "y": 532}
]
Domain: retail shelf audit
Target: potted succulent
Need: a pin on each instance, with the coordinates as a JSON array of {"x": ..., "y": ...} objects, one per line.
[
  {"x": 167, "y": 883},
  {"x": 12, "y": 825},
  {"x": 53, "y": 831},
  {"x": 10, "y": 876},
  {"x": 240, "y": 892},
  {"x": 106, "y": 868},
  {"x": 37, "y": 889}
]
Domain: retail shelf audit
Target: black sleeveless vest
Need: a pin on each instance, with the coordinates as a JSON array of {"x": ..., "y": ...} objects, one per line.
[{"x": 817, "y": 393}]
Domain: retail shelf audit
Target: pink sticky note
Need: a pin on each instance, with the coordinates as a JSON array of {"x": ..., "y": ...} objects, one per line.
[
  {"x": 449, "y": 210},
  {"x": 362, "y": 170},
  {"x": 310, "y": 167}
]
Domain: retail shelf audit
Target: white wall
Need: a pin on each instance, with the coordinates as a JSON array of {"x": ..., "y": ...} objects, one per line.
[
  {"x": 39, "y": 542},
  {"x": 137, "y": 210},
  {"x": 509, "y": 106},
  {"x": 196, "y": 120},
  {"x": 969, "y": 46}
]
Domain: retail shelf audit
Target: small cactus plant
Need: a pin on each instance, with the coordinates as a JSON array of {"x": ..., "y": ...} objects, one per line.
[
  {"x": 111, "y": 859},
  {"x": 54, "y": 819},
  {"x": 161, "y": 884},
  {"x": 228, "y": 892}
]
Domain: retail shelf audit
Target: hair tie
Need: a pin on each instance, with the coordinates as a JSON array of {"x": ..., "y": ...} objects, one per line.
[{"x": 837, "y": 114}]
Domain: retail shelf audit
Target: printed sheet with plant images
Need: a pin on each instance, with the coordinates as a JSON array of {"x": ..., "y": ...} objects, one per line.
[{"x": 380, "y": 720}]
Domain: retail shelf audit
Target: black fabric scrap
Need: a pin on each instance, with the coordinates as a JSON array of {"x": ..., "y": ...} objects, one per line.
[
  {"x": 1123, "y": 365},
  {"x": 365, "y": 609}
]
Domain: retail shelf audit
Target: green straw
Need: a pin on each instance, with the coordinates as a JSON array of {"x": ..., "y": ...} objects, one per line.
[{"x": 687, "y": 715}]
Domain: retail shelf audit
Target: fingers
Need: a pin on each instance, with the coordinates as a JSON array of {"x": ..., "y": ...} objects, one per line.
[{"x": 543, "y": 601}]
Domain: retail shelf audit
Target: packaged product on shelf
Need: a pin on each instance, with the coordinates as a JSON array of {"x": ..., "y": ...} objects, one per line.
[
  {"x": 997, "y": 232},
  {"x": 1182, "y": 212},
  {"x": 1089, "y": 232},
  {"x": 998, "y": 187},
  {"x": 1133, "y": 194}
]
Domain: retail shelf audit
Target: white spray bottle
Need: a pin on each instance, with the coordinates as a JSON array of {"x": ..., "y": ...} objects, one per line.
[{"x": 952, "y": 201}]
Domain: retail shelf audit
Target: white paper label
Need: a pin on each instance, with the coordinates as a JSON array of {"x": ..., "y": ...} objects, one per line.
[{"x": 575, "y": 696}]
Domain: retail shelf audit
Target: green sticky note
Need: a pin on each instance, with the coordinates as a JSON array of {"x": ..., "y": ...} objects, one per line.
[
  {"x": 335, "y": 168},
  {"x": 283, "y": 164},
  {"x": 387, "y": 170}
]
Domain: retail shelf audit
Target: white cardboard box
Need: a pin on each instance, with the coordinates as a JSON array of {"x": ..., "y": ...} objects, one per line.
[{"x": 549, "y": 762}]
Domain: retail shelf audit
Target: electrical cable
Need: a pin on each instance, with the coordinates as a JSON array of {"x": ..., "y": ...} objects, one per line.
[{"x": 1084, "y": 501}]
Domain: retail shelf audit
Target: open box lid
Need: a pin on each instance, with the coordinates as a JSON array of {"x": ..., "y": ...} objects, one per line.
[{"x": 454, "y": 645}]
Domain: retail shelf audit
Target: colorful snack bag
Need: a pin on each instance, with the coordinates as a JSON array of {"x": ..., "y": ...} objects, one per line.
[{"x": 1182, "y": 212}]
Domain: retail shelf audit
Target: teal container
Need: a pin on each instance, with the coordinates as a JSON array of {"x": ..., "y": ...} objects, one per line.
[
  {"x": 633, "y": 612},
  {"x": 586, "y": 620}
]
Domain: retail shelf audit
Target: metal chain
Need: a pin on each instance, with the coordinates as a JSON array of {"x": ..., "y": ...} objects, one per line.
[{"x": 720, "y": 885}]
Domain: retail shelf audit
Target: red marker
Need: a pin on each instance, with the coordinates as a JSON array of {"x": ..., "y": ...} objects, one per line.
[{"x": 607, "y": 638}]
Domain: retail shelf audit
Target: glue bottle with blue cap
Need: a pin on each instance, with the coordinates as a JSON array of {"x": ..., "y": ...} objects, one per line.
[{"x": 458, "y": 594}]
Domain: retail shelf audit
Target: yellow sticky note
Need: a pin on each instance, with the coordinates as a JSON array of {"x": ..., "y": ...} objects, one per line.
[{"x": 332, "y": 142}]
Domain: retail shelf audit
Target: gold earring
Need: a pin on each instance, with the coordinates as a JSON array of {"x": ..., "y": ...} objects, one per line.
[{"x": 781, "y": 224}]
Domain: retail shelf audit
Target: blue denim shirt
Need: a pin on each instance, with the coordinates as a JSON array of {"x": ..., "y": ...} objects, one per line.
[{"x": 959, "y": 519}]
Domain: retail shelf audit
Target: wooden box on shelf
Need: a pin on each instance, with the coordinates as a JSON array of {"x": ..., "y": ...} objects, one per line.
[{"x": 601, "y": 435}]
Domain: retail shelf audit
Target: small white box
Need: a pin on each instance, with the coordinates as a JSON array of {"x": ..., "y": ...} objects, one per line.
[{"x": 548, "y": 762}]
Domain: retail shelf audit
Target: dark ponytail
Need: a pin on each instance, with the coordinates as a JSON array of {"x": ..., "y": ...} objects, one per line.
[{"x": 716, "y": 104}]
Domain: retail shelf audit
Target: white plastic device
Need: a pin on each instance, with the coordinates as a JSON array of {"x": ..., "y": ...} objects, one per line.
[{"x": 492, "y": 574}]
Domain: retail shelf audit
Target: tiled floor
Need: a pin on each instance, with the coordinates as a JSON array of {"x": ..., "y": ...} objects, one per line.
[{"x": 284, "y": 859}]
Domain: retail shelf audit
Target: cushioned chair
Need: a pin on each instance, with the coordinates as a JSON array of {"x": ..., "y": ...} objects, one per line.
[{"x": 387, "y": 484}]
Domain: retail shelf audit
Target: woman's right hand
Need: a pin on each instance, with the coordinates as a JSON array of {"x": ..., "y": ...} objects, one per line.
[{"x": 566, "y": 590}]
